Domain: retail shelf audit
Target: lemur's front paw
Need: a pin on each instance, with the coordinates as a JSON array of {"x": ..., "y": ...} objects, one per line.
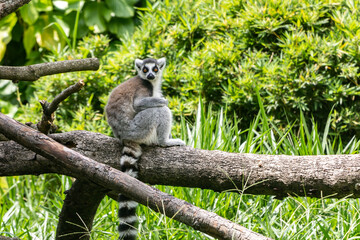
[{"x": 179, "y": 142}]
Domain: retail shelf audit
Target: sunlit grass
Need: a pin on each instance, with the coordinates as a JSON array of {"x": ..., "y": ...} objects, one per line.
[{"x": 31, "y": 204}]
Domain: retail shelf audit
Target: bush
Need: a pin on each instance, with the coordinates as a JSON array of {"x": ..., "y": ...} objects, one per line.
[
  {"x": 43, "y": 26},
  {"x": 301, "y": 55}
]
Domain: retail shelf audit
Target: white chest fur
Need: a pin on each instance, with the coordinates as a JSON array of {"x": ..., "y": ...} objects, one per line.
[{"x": 157, "y": 88}]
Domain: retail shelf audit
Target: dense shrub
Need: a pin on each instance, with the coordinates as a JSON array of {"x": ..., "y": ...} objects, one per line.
[
  {"x": 49, "y": 25},
  {"x": 44, "y": 27},
  {"x": 301, "y": 55}
]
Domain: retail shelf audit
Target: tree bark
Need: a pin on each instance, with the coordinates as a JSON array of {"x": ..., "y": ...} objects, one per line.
[
  {"x": 78, "y": 212},
  {"x": 279, "y": 175},
  {"x": 34, "y": 72},
  {"x": 7, "y": 7},
  {"x": 84, "y": 167}
]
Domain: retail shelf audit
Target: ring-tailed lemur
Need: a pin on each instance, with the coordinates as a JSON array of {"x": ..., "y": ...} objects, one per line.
[{"x": 138, "y": 114}]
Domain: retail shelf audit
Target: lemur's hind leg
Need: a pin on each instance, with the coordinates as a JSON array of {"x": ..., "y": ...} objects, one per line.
[
  {"x": 142, "y": 129},
  {"x": 152, "y": 126},
  {"x": 163, "y": 129}
]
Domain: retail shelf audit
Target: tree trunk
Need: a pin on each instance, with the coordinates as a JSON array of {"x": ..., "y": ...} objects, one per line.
[{"x": 78, "y": 212}]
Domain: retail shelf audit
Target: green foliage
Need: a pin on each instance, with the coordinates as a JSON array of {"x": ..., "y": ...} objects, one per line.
[
  {"x": 302, "y": 55},
  {"x": 31, "y": 204},
  {"x": 53, "y": 26},
  {"x": 6, "y": 25},
  {"x": 50, "y": 25}
]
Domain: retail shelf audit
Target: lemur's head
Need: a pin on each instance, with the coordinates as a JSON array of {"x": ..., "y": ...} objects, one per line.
[{"x": 150, "y": 69}]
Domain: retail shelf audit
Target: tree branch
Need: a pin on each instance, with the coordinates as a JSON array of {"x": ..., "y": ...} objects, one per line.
[
  {"x": 49, "y": 108},
  {"x": 102, "y": 174},
  {"x": 279, "y": 175},
  {"x": 78, "y": 212},
  {"x": 7, "y": 7},
  {"x": 34, "y": 72}
]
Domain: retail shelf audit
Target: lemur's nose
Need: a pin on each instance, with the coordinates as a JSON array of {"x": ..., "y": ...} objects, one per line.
[{"x": 150, "y": 76}]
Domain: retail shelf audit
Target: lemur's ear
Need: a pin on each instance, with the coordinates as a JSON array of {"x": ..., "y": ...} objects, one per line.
[
  {"x": 162, "y": 63},
  {"x": 138, "y": 63}
]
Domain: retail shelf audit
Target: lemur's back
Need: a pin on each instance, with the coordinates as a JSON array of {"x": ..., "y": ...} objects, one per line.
[{"x": 120, "y": 107}]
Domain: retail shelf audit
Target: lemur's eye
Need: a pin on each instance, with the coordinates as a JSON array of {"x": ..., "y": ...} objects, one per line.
[
  {"x": 145, "y": 70},
  {"x": 155, "y": 69}
]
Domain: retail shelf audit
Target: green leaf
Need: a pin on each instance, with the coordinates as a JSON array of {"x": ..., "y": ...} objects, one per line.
[
  {"x": 82, "y": 28},
  {"x": 17, "y": 33},
  {"x": 121, "y": 8},
  {"x": 61, "y": 4},
  {"x": 6, "y": 26},
  {"x": 7, "y": 88},
  {"x": 131, "y": 2},
  {"x": 29, "y": 39},
  {"x": 63, "y": 25},
  {"x": 75, "y": 5},
  {"x": 29, "y": 13},
  {"x": 8, "y": 108},
  {"x": 106, "y": 12},
  {"x": 47, "y": 36},
  {"x": 60, "y": 31},
  {"x": 48, "y": 39},
  {"x": 121, "y": 26},
  {"x": 93, "y": 16},
  {"x": 43, "y": 5}
]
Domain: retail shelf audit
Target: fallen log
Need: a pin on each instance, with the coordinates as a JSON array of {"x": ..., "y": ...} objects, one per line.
[{"x": 279, "y": 175}]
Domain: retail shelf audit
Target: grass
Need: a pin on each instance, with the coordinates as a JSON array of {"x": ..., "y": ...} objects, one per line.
[{"x": 30, "y": 204}]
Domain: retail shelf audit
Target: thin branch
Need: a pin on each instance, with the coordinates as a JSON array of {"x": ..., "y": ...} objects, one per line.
[
  {"x": 34, "y": 72},
  {"x": 7, "y": 7},
  {"x": 49, "y": 108},
  {"x": 63, "y": 95},
  {"x": 104, "y": 175}
]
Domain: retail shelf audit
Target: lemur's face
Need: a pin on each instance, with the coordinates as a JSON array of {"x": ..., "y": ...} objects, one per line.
[{"x": 150, "y": 69}]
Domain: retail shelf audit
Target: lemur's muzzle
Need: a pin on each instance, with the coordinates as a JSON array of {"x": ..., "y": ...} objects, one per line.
[{"x": 150, "y": 76}]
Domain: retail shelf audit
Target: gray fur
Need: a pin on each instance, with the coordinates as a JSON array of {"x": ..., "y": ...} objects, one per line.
[
  {"x": 149, "y": 102},
  {"x": 136, "y": 109},
  {"x": 138, "y": 114}
]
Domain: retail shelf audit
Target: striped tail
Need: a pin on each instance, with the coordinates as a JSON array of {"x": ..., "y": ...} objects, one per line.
[{"x": 127, "y": 207}]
